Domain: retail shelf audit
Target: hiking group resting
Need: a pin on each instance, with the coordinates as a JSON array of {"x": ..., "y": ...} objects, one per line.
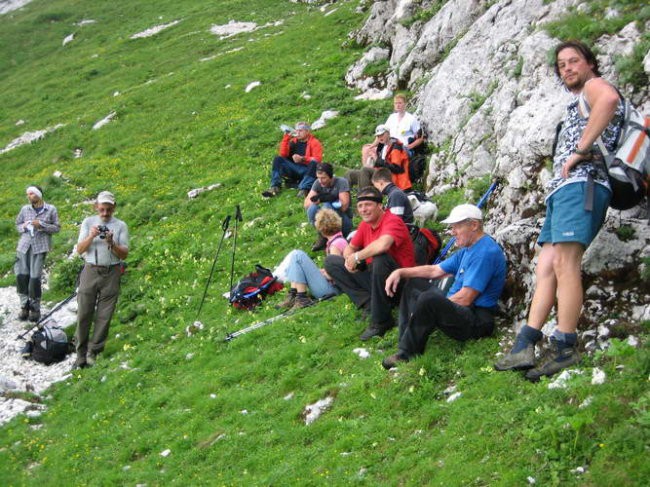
[{"x": 378, "y": 266}]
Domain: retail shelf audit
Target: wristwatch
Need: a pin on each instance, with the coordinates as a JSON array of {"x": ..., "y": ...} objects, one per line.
[{"x": 582, "y": 152}]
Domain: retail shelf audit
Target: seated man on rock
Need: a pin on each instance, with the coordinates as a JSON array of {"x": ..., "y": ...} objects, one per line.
[
  {"x": 467, "y": 310},
  {"x": 296, "y": 160},
  {"x": 383, "y": 152},
  {"x": 328, "y": 191},
  {"x": 398, "y": 203},
  {"x": 380, "y": 245}
]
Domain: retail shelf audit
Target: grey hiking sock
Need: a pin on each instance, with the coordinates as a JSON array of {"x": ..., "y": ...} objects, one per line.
[
  {"x": 565, "y": 340},
  {"x": 526, "y": 336}
]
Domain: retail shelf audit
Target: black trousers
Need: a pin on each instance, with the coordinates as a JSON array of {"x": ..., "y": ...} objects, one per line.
[
  {"x": 366, "y": 289},
  {"x": 424, "y": 307}
]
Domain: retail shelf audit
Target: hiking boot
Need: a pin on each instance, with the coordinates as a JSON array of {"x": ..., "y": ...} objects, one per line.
[
  {"x": 302, "y": 301},
  {"x": 34, "y": 316},
  {"x": 319, "y": 244},
  {"x": 392, "y": 361},
  {"x": 24, "y": 314},
  {"x": 365, "y": 313},
  {"x": 372, "y": 331},
  {"x": 302, "y": 193},
  {"x": 559, "y": 358},
  {"x": 91, "y": 359},
  {"x": 80, "y": 363},
  {"x": 27, "y": 350},
  {"x": 289, "y": 301},
  {"x": 271, "y": 192},
  {"x": 522, "y": 360}
]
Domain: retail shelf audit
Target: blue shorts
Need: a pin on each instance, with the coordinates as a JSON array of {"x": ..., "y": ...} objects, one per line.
[{"x": 566, "y": 217}]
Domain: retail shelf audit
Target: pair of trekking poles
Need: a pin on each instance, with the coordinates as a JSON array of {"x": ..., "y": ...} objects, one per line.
[
  {"x": 224, "y": 227},
  {"x": 443, "y": 253}
]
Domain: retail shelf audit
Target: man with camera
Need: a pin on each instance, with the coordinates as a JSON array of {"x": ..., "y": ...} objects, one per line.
[
  {"x": 35, "y": 223},
  {"x": 104, "y": 244},
  {"x": 328, "y": 191},
  {"x": 381, "y": 244}
]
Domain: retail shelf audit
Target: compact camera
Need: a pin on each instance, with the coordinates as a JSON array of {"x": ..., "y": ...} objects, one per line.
[{"x": 103, "y": 230}]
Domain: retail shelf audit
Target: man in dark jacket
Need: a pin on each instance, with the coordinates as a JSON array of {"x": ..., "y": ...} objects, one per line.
[{"x": 397, "y": 202}]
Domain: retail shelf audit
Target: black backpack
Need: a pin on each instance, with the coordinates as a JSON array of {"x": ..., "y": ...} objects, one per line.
[
  {"x": 427, "y": 244},
  {"x": 253, "y": 288},
  {"x": 49, "y": 345}
]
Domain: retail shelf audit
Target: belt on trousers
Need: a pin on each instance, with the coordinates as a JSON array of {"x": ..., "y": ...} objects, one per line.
[{"x": 95, "y": 266}]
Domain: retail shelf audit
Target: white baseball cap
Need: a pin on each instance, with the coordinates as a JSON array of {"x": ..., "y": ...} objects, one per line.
[
  {"x": 463, "y": 212},
  {"x": 381, "y": 129},
  {"x": 106, "y": 197}
]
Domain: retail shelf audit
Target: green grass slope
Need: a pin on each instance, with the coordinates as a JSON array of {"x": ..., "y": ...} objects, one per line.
[{"x": 232, "y": 413}]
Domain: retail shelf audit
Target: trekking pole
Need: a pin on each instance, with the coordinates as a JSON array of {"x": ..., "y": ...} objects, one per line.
[
  {"x": 44, "y": 318},
  {"x": 268, "y": 321},
  {"x": 224, "y": 227},
  {"x": 238, "y": 218},
  {"x": 480, "y": 204}
]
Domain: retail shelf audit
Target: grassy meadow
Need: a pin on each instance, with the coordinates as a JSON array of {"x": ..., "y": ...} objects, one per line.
[{"x": 164, "y": 408}]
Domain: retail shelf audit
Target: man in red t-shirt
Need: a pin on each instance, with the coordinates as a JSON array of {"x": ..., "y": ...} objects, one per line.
[{"x": 381, "y": 244}]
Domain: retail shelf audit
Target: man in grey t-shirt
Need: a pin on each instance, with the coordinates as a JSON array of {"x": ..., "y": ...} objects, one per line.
[
  {"x": 104, "y": 244},
  {"x": 328, "y": 191}
]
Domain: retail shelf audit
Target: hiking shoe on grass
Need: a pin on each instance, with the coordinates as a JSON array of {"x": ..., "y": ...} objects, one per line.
[
  {"x": 372, "y": 331},
  {"x": 289, "y": 301},
  {"x": 271, "y": 192},
  {"x": 558, "y": 359},
  {"x": 91, "y": 359},
  {"x": 319, "y": 244},
  {"x": 80, "y": 363},
  {"x": 302, "y": 193},
  {"x": 302, "y": 302},
  {"x": 24, "y": 314},
  {"x": 34, "y": 316},
  {"x": 392, "y": 361},
  {"x": 522, "y": 360}
]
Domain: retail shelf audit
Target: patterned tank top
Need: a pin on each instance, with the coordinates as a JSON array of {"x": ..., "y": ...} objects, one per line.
[{"x": 568, "y": 138}]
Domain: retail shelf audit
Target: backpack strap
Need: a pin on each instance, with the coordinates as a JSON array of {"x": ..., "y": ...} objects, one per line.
[
  {"x": 584, "y": 110},
  {"x": 331, "y": 242}
]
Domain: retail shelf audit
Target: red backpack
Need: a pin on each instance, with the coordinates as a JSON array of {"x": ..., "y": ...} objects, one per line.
[
  {"x": 427, "y": 244},
  {"x": 253, "y": 288}
]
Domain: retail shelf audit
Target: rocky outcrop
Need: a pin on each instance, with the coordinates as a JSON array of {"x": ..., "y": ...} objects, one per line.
[{"x": 483, "y": 85}]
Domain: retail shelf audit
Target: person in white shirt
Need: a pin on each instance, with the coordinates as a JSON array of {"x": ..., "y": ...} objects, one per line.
[{"x": 404, "y": 126}]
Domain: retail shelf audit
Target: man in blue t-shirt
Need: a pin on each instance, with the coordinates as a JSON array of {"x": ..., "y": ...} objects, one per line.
[{"x": 467, "y": 310}]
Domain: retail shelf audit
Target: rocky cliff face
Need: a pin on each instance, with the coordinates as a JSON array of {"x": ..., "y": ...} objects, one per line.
[{"x": 484, "y": 87}]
